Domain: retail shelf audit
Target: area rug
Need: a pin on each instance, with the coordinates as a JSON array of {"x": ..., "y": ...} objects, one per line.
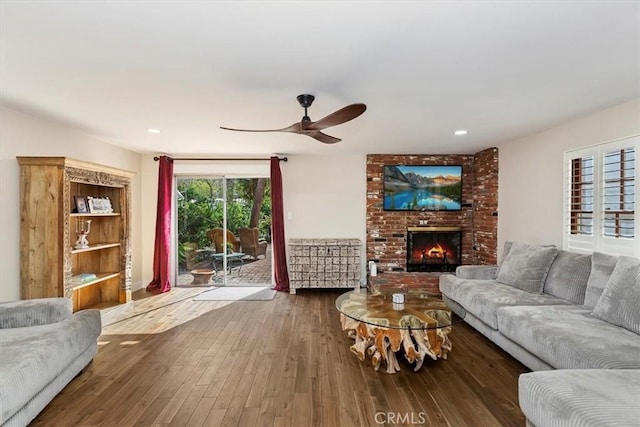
[{"x": 237, "y": 293}]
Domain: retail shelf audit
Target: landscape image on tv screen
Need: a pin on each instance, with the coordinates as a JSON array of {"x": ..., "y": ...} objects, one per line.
[{"x": 431, "y": 188}]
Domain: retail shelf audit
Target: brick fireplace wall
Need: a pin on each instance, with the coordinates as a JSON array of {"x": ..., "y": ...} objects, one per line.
[
  {"x": 387, "y": 230},
  {"x": 485, "y": 207}
]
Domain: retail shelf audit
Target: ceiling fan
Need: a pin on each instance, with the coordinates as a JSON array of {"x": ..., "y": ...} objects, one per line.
[{"x": 313, "y": 129}]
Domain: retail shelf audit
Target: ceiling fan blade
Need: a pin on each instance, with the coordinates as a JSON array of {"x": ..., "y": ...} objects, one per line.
[
  {"x": 343, "y": 115},
  {"x": 312, "y": 129},
  {"x": 296, "y": 128},
  {"x": 322, "y": 137}
]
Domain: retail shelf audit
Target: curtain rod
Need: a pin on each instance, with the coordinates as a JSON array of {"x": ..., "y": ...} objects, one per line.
[{"x": 236, "y": 159}]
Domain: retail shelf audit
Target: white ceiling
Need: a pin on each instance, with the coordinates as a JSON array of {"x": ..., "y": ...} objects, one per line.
[{"x": 500, "y": 69}]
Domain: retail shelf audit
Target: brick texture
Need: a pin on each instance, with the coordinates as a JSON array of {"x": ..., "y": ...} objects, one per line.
[
  {"x": 387, "y": 230},
  {"x": 403, "y": 280},
  {"x": 485, "y": 207}
]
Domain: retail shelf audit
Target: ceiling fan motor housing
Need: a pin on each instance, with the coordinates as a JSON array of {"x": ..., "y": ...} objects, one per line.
[{"x": 306, "y": 100}]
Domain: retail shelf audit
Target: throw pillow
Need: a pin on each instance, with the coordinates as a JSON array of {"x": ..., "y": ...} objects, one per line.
[
  {"x": 568, "y": 275},
  {"x": 526, "y": 266},
  {"x": 601, "y": 268},
  {"x": 620, "y": 299}
]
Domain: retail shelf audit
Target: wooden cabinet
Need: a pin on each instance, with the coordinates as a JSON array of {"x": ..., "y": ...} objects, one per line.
[
  {"x": 49, "y": 263},
  {"x": 324, "y": 263}
]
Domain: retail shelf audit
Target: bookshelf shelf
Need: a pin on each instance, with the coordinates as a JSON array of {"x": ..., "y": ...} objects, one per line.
[
  {"x": 96, "y": 247},
  {"x": 100, "y": 277},
  {"x": 73, "y": 215}
]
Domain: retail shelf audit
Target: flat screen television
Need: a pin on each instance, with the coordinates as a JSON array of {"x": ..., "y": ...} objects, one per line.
[{"x": 422, "y": 188}]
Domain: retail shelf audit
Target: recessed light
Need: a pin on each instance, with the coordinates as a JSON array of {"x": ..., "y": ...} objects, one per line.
[
  {"x": 460, "y": 132},
  {"x": 152, "y": 130}
]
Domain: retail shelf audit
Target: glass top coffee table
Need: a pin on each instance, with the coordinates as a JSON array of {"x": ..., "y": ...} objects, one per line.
[{"x": 383, "y": 329}]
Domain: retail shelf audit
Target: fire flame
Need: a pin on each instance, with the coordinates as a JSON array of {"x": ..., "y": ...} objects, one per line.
[{"x": 436, "y": 251}]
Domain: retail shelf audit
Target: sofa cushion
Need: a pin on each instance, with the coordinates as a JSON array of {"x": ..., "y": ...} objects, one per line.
[
  {"x": 620, "y": 301},
  {"x": 32, "y": 357},
  {"x": 526, "y": 266},
  {"x": 505, "y": 252},
  {"x": 569, "y": 337},
  {"x": 601, "y": 268},
  {"x": 482, "y": 272},
  {"x": 579, "y": 397},
  {"x": 34, "y": 312},
  {"x": 482, "y": 298},
  {"x": 568, "y": 275}
]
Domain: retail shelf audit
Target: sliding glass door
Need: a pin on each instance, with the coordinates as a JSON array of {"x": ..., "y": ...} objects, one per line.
[{"x": 223, "y": 231}]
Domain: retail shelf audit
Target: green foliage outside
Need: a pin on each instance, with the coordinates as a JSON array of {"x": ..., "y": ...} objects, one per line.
[{"x": 200, "y": 208}]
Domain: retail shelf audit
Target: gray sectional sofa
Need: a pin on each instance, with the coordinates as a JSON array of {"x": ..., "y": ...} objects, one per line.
[
  {"x": 573, "y": 319},
  {"x": 43, "y": 346}
]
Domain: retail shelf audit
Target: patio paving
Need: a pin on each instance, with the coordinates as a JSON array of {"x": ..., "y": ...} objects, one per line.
[{"x": 251, "y": 273}]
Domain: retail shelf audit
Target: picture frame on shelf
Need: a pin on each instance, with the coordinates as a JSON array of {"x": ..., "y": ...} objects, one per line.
[
  {"x": 81, "y": 204},
  {"x": 99, "y": 205}
]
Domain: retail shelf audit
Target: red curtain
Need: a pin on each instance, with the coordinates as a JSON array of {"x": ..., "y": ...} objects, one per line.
[
  {"x": 277, "y": 228},
  {"x": 162, "y": 251}
]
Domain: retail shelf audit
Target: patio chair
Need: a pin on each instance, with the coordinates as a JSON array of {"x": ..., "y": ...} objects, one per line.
[
  {"x": 250, "y": 243},
  {"x": 216, "y": 237}
]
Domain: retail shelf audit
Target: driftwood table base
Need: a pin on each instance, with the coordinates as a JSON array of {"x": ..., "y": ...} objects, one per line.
[
  {"x": 384, "y": 344},
  {"x": 384, "y": 330}
]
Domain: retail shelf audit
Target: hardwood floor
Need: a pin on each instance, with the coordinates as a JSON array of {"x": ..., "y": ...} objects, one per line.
[{"x": 284, "y": 362}]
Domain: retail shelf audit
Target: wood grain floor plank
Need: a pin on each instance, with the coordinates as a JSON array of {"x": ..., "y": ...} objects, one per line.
[
  {"x": 266, "y": 415},
  {"x": 143, "y": 402},
  {"x": 215, "y": 417},
  {"x": 201, "y": 412},
  {"x": 188, "y": 407},
  {"x": 285, "y": 362},
  {"x": 236, "y": 407},
  {"x": 256, "y": 393}
]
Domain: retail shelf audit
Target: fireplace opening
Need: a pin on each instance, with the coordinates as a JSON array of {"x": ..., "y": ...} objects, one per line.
[{"x": 434, "y": 249}]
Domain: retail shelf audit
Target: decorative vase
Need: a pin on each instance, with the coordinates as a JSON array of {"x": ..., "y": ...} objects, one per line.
[{"x": 83, "y": 227}]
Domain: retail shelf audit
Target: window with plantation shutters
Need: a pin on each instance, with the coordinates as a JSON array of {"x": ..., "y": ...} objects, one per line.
[
  {"x": 600, "y": 198},
  {"x": 581, "y": 194},
  {"x": 619, "y": 193}
]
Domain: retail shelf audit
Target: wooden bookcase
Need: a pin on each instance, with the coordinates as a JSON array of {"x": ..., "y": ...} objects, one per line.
[{"x": 48, "y": 259}]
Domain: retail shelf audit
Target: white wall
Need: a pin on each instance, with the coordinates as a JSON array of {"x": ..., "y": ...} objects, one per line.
[
  {"x": 325, "y": 196},
  {"x": 530, "y": 178},
  {"x": 24, "y": 135},
  {"x": 148, "y": 200}
]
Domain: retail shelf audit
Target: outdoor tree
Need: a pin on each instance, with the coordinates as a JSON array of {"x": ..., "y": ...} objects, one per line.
[
  {"x": 257, "y": 191},
  {"x": 258, "y": 196}
]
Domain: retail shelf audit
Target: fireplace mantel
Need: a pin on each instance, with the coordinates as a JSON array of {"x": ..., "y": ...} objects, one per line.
[{"x": 433, "y": 229}]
